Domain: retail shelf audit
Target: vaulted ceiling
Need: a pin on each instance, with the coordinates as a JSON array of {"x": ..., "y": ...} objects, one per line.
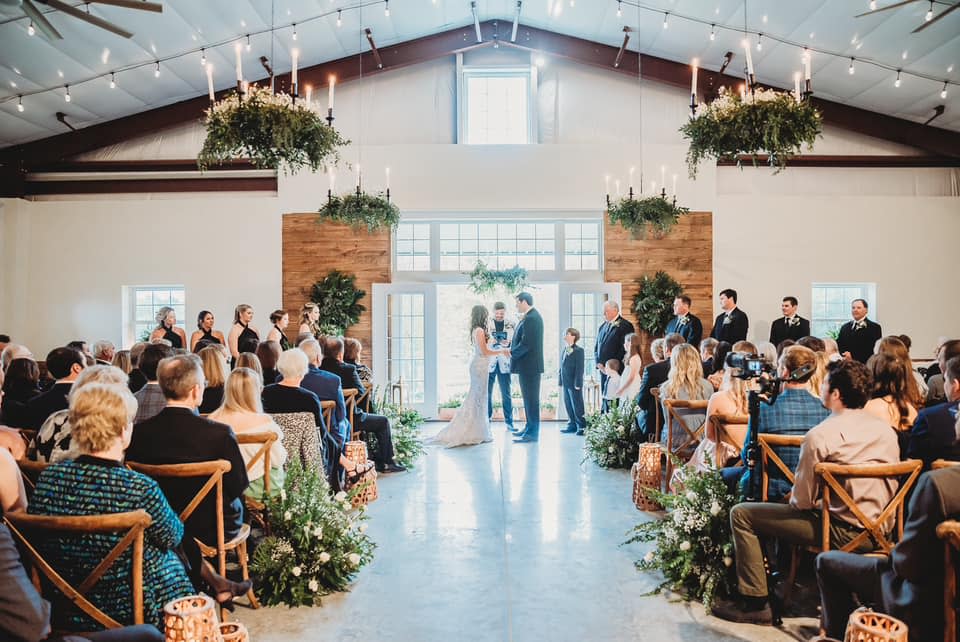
[{"x": 87, "y": 55}]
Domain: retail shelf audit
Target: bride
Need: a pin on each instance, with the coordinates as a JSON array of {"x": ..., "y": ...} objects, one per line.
[{"x": 470, "y": 425}]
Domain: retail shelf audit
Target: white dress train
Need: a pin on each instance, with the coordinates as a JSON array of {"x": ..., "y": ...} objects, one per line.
[{"x": 470, "y": 425}]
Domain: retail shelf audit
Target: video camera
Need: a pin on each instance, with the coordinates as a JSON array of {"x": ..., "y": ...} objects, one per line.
[{"x": 749, "y": 365}]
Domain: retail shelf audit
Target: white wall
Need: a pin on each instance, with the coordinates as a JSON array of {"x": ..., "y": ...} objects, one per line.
[{"x": 65, "y": 263}]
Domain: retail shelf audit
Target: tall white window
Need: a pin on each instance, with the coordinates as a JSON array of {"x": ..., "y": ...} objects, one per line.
[
  {"x": 413, "y": 247},
  {"x": 581, "y": 246},
  {"x": 496, "y": 106},
  {"x": 146, "y": 301},
  {"x": 831, "y": 304}
]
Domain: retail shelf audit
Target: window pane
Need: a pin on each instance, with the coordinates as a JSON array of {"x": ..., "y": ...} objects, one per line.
[{"x": 497, "y": 108}]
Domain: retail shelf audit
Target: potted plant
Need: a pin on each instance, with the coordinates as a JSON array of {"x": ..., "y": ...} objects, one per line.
[{"x": 448, "y": 408}]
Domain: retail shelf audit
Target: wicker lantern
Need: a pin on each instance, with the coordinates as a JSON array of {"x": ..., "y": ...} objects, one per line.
[
  {"x": 866, "y": 626},
  {"x": 191, "y": 619},
  {"x": 646, "y": 474},
  {"x": 356, "y": 451},
  {"x": 234, "y": 632}
]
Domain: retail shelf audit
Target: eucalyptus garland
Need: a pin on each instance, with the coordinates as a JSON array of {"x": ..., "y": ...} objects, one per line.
[
  {"x": 653, "y": 302},
  {"x": 483, "y": 280},
  {"x": 372, "y": 211},
  {"x": 271, "y": 130},
  {"x": 639, "y": 215},
  {"x": 765, "y": 122}
]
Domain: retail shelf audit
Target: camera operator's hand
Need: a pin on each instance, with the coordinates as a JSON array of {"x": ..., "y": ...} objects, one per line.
[{"x": 847, "y": 356}]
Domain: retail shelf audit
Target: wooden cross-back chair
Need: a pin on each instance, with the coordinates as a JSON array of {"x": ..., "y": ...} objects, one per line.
[
  {"x": 212, "y": 472},
  {"x": 657, "y": 419},
  {"x": 689, "y": 441},
  {"x": 29, "y": 529},
  {"x": 30, "y": 470},
  {"x": 364, "y": 400},
  {"x": 768, "y": 442},
  {"x": 949, "y": 532},
  {"x": 350, "y": 398},
  {"x": 730, "y": 429},
  {"x": 328, "y": 407},
  {"x": 943, "y": 463},
  {"x": 266, "y": 440}
]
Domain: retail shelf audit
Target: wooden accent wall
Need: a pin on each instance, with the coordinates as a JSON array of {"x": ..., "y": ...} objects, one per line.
[
  {"x": 686, "y": 254},
  {"x": 311, "y": 250}
]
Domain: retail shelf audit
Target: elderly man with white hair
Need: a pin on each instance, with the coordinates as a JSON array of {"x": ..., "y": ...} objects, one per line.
[
  {"x": 610, "y": 336},
  {"x": 103, "y": 352}
]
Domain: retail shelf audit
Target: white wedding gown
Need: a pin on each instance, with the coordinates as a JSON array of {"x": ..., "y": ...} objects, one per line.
[{"x": 470, "y": 425}]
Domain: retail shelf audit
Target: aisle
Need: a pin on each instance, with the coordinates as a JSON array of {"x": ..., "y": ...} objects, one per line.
[{"x": 503, "y": 542}]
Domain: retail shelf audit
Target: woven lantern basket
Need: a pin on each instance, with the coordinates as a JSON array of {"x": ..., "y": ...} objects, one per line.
[
  {"x": 867, "y": 626},
  {"x": 191, "y": 619},
  {"x": 234, "y": 632},
  {"x": 646, "y": 474},
  {"x": 356, "y": 451}
]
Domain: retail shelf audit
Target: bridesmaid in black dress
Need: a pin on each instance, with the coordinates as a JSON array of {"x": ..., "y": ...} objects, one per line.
[
  {"x": 243, "y": 336},
  {"x": 205, "y": 335},
  {"x": 280, "y": 321},
  {"x": 167, "y": 328}
]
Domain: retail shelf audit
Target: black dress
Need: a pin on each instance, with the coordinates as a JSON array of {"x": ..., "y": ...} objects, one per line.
[
  {"x": 172, "y": 337},
  {"x": 284, "y": 341},
  {"x": 246, "y": 342},
  {"x": 206, "y": 340},
  {"x": 212, "y": 398}
]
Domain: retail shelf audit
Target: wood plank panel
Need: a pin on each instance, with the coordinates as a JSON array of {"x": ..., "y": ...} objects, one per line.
[{"x": 312, "y": 249}]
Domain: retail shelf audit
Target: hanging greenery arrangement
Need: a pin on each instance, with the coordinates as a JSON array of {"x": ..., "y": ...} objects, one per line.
[
  {"x": 338, "y": 299},
  {"x": 639, "y": 215},
  {"x": 271, "y": 130},
  {"x": 372, "y": 211},
  {"x": 483, "y": 280},
  {"x": 653, "y": 302},
  {"x": 765, "y": 122}
]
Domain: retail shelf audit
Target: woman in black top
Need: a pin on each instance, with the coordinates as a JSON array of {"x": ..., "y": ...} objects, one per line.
[
  {"x": 167, "y": 328},
  {"x": 243, "y": 336},
  {"x": 280, "y": 321},
  {"x": 205, "y": 335},
  {"x": 21, "y": 384},
  {"x": 215, "y": 373}
]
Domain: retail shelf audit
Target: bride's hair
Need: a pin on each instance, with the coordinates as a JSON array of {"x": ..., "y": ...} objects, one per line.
[{"x": 478, "y": 319}]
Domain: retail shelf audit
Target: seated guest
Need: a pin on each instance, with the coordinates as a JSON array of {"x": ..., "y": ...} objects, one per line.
[
  {"x": 707, "y": 347},
  {"x": 657, "y": 350},
  {"x": 890, "y": 398},
  {"x": 280, "y": 321},
  {"x": 95, "y": 483},
  {"x": 745, "y": 347},
  {"x": 654, "y": 374},
  {"x": 11, "y": 352},
  {"x": 178, "y": 435},
  {"x": 916, "y": 385},
  {"x": 243, "y": 411},
  {"x": 367, "y": 422},
  {"x": 831, "y": 349},
  {"x": 4, "y": 341},
  {"x": 730, "y": 400},
  {"x": 13, "y": 495},
  {"x": 934, "y": 368},
  {"x": 718, "y": 363},
  {"x": 683, "y": 322},
  {"x": 215, "y": 374},
  {"x": 857, "y": 338},
  {"x": 11, "y": 439},
  {"x": 907, "y": 585},
  {"x": 103, "y": 352},
  {"x": 205, "y": 335},
  {"x": 122, "y": 360},
  {"x": 783, "y": 345},
  {"x": 21, "y": 384},
  {"x": 684, "y": 382},
  {"x": 814, "y": 343},
  {"x": 150, "y": 398},
  {"x": 54, "y": 441},
  {"x": 137, "y": 379},
  {"x": 167, "y": 328},
  {"x": 269, "y": 352},
  {"x": 64, "y": 365},
  {"x": 286, "y": 395},
  {"x": 326, "y": 386},
  {"x": 351, "y": 354},
  {"x": 252, "y": 361},
  {"x": 849, "y": 435},
  {"x": 82, "y": 346},
  {"x": 769, "y": 353},
  {"x": 934, "y": 433},
  {"x": 791, "y": 326},
  {"x": 948, "y": 350}
]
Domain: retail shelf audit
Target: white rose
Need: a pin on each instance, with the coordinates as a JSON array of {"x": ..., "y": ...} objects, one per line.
[
  {"x": 283, "y": 495},
  {"x": 714, "y": 509},
  {"x": 318, "y": 532},
  {"x": 353, "y": 558},
  {"x": 685, "y": 545},
  {"x": 346, "y": 506},
  {"x": 648, "y": 557},
  {"x": 314, "y": 585},
  {"x": 296, "y": 570},
  {"x": 727, "y": 561},
  {"x": 691, "y": 496},
  {"x": 287, "y": 516},
  {"x": 363, "y": 528},
  {"x": 340, "y": 496},
  {"x": 324, "y": 557},
  {"x": 610, "y": 449}
]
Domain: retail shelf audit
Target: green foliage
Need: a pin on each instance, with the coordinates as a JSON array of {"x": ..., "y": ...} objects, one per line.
[
  {"x": 372, "y": 211},
  {"x": 694, "y": 545},
  {"x": 318, "y": 542},
  {"x": 269, "y": 129},
  {"x": 768, "y": 122},
  {"x": 653, "y": 302},
  {"x": 834, "y": 333},
  {"x": 483, "y": 280},
  {"x": 454, "y": 402},
  {"x": 612, "y": 439},
  {"x": 639, "y": 215},
  {"x": 405, "y": 425},
  {"x": 338, "y": 299}
]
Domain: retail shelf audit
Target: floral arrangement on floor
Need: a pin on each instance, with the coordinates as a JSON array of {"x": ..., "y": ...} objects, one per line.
[
  {"x": 653, "y": 302},
  {"x": 372, "y": 211},
  {"x": 271, "y": 130},
  {"x": 317, "y": 544},
  {"x": 694, "y": 545},
  {"x": 339, "y": 300},
  {"x": 612, "y": 439},
  {"x": 483, "y": 280},
  {"x": 405, "y": 425},
  {"x": 765, "y": 122},
  {"x": 639, "y": 215}
]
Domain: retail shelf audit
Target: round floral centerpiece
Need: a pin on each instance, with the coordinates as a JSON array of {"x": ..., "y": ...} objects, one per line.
[{"x": 762, "y": 122}]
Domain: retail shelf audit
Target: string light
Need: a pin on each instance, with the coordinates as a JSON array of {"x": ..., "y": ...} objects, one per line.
[
  {"x": 851, "y": 70},
  {"x": 943, "y": 92},
  {"x": 248, "y": 42},
  {"x": 386, "y": 8},
  {"x": 31, "y": 30},
  {"x": 619, "y": 9},
  {"x": 20, "y": 103},
  {"x": 760, "y": 42},
  {"x": 156, "y": 72},
  {"x": 294, "y": 30},
  {"x": 203, "y": 58},
  {"x": 66, "y": 96},
  {"x": 665, "y": 24},
  {"x": 929, "y": 15},
  {"x": 113, "y": 81},
  {"x": 339, "y": 21},
  {"x": 896, "y": 83},
  {"x": 713, "y": 33}
]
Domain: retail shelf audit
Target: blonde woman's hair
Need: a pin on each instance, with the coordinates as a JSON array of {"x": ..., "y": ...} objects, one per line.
[
  {"x": 745, "y": 347},
  {"x": 251, "y": 361},
  {"x": 161, "y": 316},
  {"x": 242, "y": 391},
  {"x": 99, "y": 413},
  {"x": 305, "y": 316},
  {"x": 737, "y": 388},
  {"x": 214, "y": 368},
  {"x": 122, "y": 360},
  {"x": 106, "y": 375},
  {"x": 686, "y": 373},
  {"x": 240, "y": 309},
  {"x": 813, "y": 384}
]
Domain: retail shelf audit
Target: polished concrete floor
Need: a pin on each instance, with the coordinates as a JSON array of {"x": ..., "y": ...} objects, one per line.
[{"x": 504, "y": 542}]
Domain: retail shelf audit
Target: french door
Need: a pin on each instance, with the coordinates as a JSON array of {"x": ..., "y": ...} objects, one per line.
[{"x": 405, "y": 342}]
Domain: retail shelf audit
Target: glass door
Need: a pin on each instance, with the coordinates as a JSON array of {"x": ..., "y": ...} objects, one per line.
[{"x": 405, "y": 342}]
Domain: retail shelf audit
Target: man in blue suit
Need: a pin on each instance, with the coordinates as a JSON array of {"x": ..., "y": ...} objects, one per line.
[
  {"x": 610, "y": 339},
  {"x": 327, "y": 387},
  {"x": 934, "y": 433},
  {"x": 683, "y": 323},
  {"x": 526, "y": 361}
]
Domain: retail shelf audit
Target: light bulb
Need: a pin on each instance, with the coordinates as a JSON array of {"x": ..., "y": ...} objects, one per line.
[
  {"x": 66, "y": 96},
  {"x": 760, "y": 42},
  {"x": 851, "y": 70},
  {"x": 619, "y": 9},
  {"x": 30, "y": 29},
  {"x": 20, "y": 103},
  {"x": 113, "y": 81},
  {"x": 386, "y": 8},
  {"x": 248, "y": 42},
  {"x": 713, "y": 33},
  {"x": 156, "y": 72},
  {"x": 294, "y": 31},
  {"x": 943, "y": 93},
  {"x": 339, "y": 21},
  {"x": 929, "y": 15},
  {"x": 665, "y": 24},
  {"x": 896, "y": 83}
]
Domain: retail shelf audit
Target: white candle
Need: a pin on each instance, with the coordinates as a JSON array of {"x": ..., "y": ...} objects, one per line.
[
  {"x": 746, "y": 48},
  {"x": 663, "y": 175},
  {"x": 653, "y": 187},
  {"x": 237, "y": 48},
  {"x": 293, "y": 75},
  {"x": 358, "y": 174},
  {"x": 693, "y": 81},
  {"x": 606, "y": 184},
  {"x": 631, "y": 176},
  {"x": 333, "y": 81},
  {"x": 743, "y": 92},
  {"x": 246, "y": 87},
  {"x": 210, "y": 81},
  {"x": 388, "y": 178},
  {"x": 617, "y": 184},
  {"x": 333, "y": 179},
  {"x": 309, "y": 93},
  {"x": 796, "y": 85},
  {"x": 674, "y": 184},
  {"x": 806, "y": 64}
]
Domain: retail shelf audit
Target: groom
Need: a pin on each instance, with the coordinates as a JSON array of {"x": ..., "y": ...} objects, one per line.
[{"x": 526, "y": 361}]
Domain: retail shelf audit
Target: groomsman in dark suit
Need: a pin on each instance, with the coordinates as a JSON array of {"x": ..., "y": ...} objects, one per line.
[
  {"x": 571, "y": 381},
  {"x": 610, "y": 339},
  {"x": 858, "y": 338},
  {"x": 730, "y": 325},
  {"x": 791, "y": 326},
  {"x": 685, "y": 324}
]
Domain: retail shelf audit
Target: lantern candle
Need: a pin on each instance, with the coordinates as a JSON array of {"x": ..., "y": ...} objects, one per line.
[
  {"x": 295, "y": 54},
  {"x": 210, "y": 82},
  {"x": 693, "y": 84},
  {"x": 239, "y": 63},
  {"x": 333, "y": 81}
]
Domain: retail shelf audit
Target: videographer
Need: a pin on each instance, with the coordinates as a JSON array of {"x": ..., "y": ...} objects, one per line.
[{"x": 849, "y": 435}]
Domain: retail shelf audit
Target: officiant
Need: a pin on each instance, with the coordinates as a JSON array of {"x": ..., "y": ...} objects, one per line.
[{"x": 501, "y": 334}]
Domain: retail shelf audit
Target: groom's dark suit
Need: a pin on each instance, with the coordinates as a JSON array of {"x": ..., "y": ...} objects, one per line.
[{"x": 526, "y": 361}]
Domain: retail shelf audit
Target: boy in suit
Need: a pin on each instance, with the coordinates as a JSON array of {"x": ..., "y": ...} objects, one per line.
[{"x": 571, "y": 380}]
